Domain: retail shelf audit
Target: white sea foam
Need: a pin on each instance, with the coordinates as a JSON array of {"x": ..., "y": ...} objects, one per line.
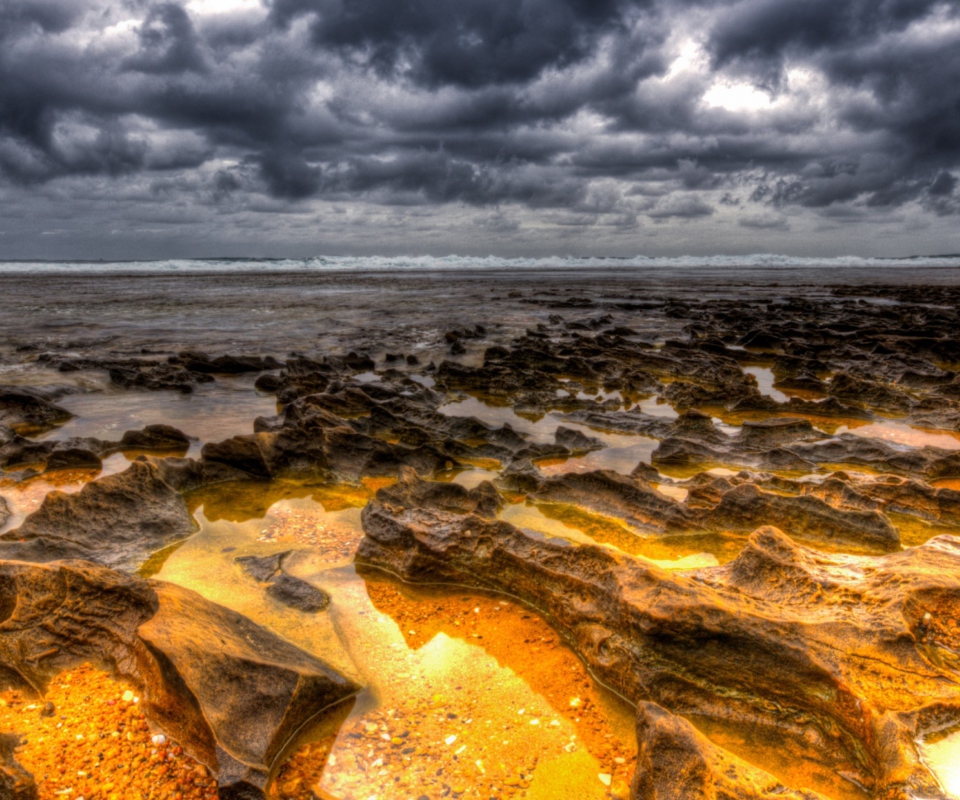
[{"x": 478, "y": 264}]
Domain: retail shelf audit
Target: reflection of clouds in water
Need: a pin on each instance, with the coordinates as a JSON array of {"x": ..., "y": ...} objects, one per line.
[{"x": 212, "y": 412}]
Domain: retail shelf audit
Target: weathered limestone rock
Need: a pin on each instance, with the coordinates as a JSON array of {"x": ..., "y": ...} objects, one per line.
[
  {"x": 611, "y": 494},
  {"x": 677, "y": 762},
  {"x": 118, "y": 521},
  {"x": 15, "y": 782},
  {"x": 230, "y": 692},
  {"x": 854, "y": 652},
  {"x": 483, "y": 500},
  {"x": 745, "y": 508},
  {"x": 24, "y": 412}
]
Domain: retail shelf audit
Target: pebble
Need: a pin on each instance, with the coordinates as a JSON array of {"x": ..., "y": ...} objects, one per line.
[{"x": 93, "y": 747}]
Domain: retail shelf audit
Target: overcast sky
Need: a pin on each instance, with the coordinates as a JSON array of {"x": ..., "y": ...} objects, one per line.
[{"x": 509, "y": 127}]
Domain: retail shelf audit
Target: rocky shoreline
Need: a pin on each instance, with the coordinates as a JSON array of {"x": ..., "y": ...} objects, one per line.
[{"x": 827, "y": 500}]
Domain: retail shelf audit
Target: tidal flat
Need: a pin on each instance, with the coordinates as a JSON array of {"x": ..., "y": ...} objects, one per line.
[{"x": 497, "y": 534}]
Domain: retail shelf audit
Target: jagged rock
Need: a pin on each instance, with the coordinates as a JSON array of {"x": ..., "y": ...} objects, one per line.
[
  {"x": 576, "y": 442},
  {"x": 15, "y": 782},
  {"x": 647, "y": 472},
  {"x": 411, "y": 491},
  {"x": 119, "y": 521},
  {"x": 521, "y": 475},
  {"x": 745, "y": 508},
  {"x": 231, "y": 693},
  {"x": 857, "y": 652},
  {"x": 194, "y": 361},
  {"x": 611, "y": 494},
  {"x": 677, "y": 762},
  {"x": 805, "y": 456},
  {"x": 771, "y": 433},
  {"x": 156, "y": 377},
  {"x": 240, "y": 452},
  {"x": 24, "y": 412}
]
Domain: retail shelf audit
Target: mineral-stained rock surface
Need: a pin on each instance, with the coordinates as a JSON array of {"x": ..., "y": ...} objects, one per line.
[
  {"x": 117, "y": 521},
  {"x": 676, "y": 762},
  {"x": 15, "y": 782},
  {"x": 232, "y": 693},
  {"x": 854, "y": 653}
]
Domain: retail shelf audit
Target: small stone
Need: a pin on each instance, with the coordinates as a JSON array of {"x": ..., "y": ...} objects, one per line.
[{"x": 605, "y": 778}]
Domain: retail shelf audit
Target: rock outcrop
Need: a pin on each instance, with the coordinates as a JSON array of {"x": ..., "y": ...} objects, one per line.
[
  {"x": 677, "y": 762},
  {"x": 853, "y": 652},
  {"x": 15, "y": 782},
  {"x": 230, "y": 692},
  {"x": 118, "y": 521},
  {"x": 24, "y": 412}
]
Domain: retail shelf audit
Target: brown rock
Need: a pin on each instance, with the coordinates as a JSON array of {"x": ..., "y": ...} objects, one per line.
[
  {"x": 25, "y": 413},
  {"x": 15, "y": 782},
  {"x": 117, "y": 521},
  {"x": 781, "y": 633},
  {"x": 230, "y": 692},
  {"x": 677, "y": 762}
]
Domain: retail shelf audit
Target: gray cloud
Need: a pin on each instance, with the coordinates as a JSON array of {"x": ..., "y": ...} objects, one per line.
[{"x": 518, "y": 117}]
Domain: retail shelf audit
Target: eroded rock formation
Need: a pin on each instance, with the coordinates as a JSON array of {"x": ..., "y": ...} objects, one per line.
[
  {"x": 230, "y": 692},
  {"x": 119, "y": 521},
  {"x": 854, "y": 653}
]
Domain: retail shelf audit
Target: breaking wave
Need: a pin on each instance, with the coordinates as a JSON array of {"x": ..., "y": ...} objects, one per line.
[{"x": 478, "y": 264}]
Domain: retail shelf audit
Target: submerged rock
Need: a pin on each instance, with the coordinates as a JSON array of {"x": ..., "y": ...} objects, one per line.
[
  {"x": 118, "y": 521},
  {"x": 283, "y": 587},
  {"x": 230, "y": 692},
  {"x": 297, "y": 593}
]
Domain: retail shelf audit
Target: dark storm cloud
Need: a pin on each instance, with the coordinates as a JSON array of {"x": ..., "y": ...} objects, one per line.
[
  {"x": 469, "y": 43},
  {"x": 612, "y": 109}
]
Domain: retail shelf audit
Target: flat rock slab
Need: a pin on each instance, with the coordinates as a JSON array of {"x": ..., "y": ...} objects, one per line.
[{"x": 117, "y": 521}]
